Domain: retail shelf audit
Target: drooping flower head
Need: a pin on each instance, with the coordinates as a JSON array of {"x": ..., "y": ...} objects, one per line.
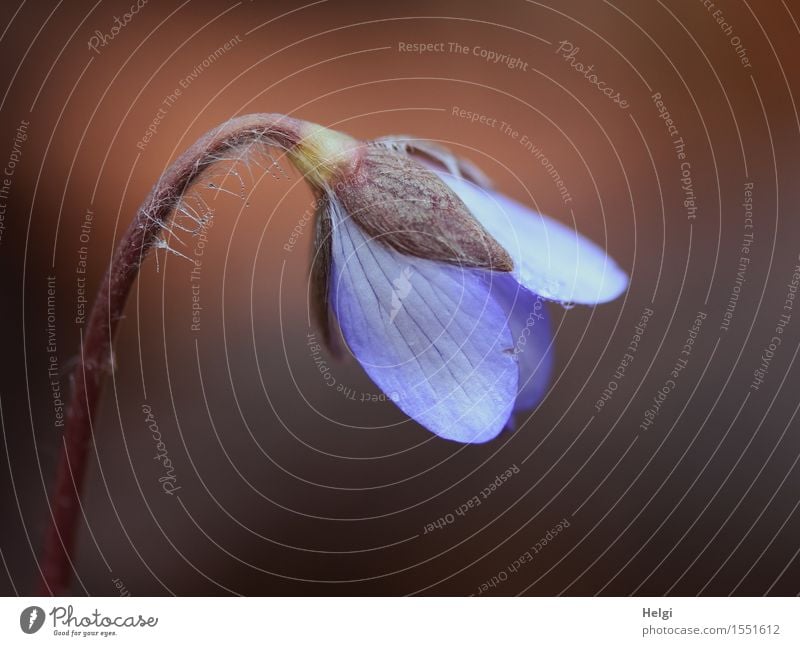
[{"x": 437, "y": 283}]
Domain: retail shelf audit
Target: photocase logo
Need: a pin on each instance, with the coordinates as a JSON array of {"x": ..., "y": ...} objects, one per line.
[
  {"x": 402, "y": 288},
  {"x": 31, "y": 619}
]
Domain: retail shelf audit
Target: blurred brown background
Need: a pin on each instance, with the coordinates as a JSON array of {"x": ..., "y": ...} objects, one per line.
[{"x": 287, "y": 485}]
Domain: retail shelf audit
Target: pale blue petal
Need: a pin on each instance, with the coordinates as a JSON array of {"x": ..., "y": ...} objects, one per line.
[
  {"x": 430, "y": 335},
  {"x": 550, "y": 259},
  {"x": 533, "y": 342}
]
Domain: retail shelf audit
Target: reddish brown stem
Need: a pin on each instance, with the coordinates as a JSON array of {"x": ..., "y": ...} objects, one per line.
[{"x": 87, "y": 379}]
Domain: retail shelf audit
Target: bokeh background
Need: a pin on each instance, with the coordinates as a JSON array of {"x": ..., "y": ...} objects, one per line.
[{"x": 291, "y": 486}]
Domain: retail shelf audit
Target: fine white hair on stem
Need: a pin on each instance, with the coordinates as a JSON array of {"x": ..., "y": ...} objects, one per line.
[
  {"x": 161, "y": 243},
  {"x": 191, "y": 213}
]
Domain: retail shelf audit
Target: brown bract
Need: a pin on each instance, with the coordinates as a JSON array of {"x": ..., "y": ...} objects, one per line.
[{"x": 402, "y": 204}]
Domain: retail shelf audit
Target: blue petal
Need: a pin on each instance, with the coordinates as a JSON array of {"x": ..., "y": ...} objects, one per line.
[
  {"x": 430, "y": 335},
  {"x": 550, "y": 259},
  {"x": 533, "y": 343}
]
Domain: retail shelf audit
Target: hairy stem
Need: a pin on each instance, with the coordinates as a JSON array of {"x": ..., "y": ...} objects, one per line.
[{"x": 95, "y": 360}]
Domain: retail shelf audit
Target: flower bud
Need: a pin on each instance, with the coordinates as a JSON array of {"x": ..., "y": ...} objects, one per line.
[{"x": 402, "y": 204}]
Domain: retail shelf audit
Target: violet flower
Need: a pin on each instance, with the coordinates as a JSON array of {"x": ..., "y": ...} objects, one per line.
[{"x": 436, "y": 282}]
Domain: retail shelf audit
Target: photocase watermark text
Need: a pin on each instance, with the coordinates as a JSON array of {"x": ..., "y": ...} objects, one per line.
[
  {"x": 168, "y": 480},
  {"x": 81, "y": 297},
  {"x": 315, "y": 348},
  {"x": 744, "y": 258},
  {"x": 679, "y": 148},
  {"x": 626, "y": 360},
  {"x": 100, "y": 39},
  {"x": 568, "y": 52},
  {"x": 769, "y": 351},
  {"x": 8, "y": 172},
  {"x": 523, "y": 559},
  {"x": 671, "y": 383},
  {"x": 53, "y": 370},
  {"x": 473, "y": 502},
  {"x": 173, "y": 97},
  {"x": 524, "y": 140},
  {"x": 462, "y": 49}
]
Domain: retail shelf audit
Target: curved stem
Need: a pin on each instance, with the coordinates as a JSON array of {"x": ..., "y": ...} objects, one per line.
[{"x": 95, "y": 360}]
